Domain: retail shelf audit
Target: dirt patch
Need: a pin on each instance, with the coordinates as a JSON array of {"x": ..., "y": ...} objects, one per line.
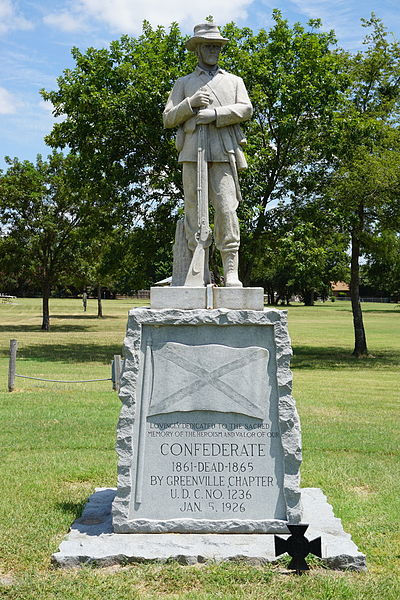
[
  {"x": 332, "y": 412},
  {"x": 362, "y": 491},
  {"x": 6, "y": 579},
  {"x": 76, "y": 485}
]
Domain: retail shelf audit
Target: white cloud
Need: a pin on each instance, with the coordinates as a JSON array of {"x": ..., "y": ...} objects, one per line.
[
  {"x": 48, "y": 109},
  {"x": 8, "y": 104},
  {"x": 334, "y": 14},
  {"x": 10, "y": 17},
  {"x": 127, "y": 16},
  {"x": 46, "y": 105},
  {"x": 66, "y": 21}
]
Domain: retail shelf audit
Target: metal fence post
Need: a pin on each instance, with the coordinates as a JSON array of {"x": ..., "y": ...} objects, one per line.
[
  {"x": 116, "y": 372},
  {"x": 12, "y": 364}
]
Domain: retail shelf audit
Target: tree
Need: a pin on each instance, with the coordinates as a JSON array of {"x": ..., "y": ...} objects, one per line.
[
  {"x": 302, "y": 255},
  {"x": 296, "y": 81},
  {"x": 112, "y": 102},
  {"x": 43, "y": 219},
  {"x": 14, "y": 280},
  {"x": 92, "y": 270},
  {"x": 365, "y": 185},
  {"x": 324, "y": 128},
  {"x": 382, "y": 268}
]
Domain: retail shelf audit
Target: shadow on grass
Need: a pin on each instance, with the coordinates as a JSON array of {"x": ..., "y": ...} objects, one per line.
[
  {"x": 55, "y": 327},
  {"x": 85, "y": 317},
  {"x": 367, "y": 310},
  {"x": 71, "y": 508},
  {"x": 70, "y": 353},
  {"x": 338, "y": 307},
  {"x": 331, "y": 357},
  {"x": 382, "y": 312},
  {"x": 37, "y": 329},
  {"x": 294, "y": 306}
]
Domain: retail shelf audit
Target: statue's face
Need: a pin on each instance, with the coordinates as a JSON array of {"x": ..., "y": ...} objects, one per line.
[{"x": 208, "y": 53}]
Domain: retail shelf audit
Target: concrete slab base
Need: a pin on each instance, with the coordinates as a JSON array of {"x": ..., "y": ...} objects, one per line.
[{"x": 91, "y": 540}]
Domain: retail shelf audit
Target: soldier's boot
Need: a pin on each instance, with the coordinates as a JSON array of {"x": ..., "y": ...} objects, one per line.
[{"x": 230, "y": 262}]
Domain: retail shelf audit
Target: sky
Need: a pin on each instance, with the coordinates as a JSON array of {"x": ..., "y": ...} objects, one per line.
[{"x": 36, "y": 37}]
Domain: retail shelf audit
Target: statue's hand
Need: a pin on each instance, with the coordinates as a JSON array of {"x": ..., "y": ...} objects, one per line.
[
  {"x": 200, "y": 99},
  {"x": 205, "y": 116}
]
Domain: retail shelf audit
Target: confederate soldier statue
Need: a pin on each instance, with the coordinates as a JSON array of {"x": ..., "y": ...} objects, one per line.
[{"x": 207, "y": 107}]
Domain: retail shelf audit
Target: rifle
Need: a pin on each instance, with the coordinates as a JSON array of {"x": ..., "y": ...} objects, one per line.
[{"x": 197, "y": 275}]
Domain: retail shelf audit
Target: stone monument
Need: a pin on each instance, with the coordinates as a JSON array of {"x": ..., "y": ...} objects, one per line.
[
  {"x": 208, "y": 440},
  {"x": 208, "y": 437},
  {"x": 208, "y": 423}
]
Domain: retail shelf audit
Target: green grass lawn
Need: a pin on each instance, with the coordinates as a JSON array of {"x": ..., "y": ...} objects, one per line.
[{"x": 57, "y": 445}]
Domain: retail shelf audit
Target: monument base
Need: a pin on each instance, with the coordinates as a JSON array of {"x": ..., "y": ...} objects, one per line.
[
  {"x": 91, "y": 540},
  {"x": 210, "y": 297},
  {"x": 208, "y": 437}
]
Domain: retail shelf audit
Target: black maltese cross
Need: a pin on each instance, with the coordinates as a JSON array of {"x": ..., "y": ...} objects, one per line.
[{"x": 298, "y": 547}]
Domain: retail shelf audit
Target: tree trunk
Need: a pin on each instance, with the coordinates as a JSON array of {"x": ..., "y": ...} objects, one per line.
[
  {"x": 270, "y": 295},
  {"x": 245, "y": 268},
  {"x": 360, "y": 340},
  {"x": 45, "y": 307},
  {"x": 99, "y": 305},
  {"x": 308, "y": 297}
]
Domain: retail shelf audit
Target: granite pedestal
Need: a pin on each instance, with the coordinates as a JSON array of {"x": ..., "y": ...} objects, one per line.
[
  {"x": 209, "y": 437},
  {"x": 209, "y": 449}
]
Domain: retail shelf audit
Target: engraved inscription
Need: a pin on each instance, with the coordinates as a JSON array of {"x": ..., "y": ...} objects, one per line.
[{"x": 212, "y": 469}]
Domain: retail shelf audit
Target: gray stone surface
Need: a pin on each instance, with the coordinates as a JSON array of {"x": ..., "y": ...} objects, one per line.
[
  {"x": 182, "y": 256},
  {"x": 238, "y": 298},
  {"x": 178, "y": 297},
  {"x": 208, "y": 437},
  {"x": 91, "y": 540},
  {"x": 181, "y": 297}
]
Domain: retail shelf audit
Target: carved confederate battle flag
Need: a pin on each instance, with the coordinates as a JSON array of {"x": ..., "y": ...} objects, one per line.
[{"x": 211, "y": 377}]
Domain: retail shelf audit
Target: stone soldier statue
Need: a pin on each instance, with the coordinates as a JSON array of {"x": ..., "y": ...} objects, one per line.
[{"x": 213, "y": 100}]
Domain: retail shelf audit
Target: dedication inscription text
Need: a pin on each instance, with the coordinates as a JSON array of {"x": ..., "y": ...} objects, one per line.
[
  {"x": 213, "y": 470},
  {"x": 207, "y": 434}
]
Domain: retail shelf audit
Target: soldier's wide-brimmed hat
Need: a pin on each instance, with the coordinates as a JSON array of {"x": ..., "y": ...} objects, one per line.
[{"x": 205, "y": 32}]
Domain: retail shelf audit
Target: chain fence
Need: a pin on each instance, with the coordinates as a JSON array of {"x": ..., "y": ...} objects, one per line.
[{"x": 12, "y": 371}]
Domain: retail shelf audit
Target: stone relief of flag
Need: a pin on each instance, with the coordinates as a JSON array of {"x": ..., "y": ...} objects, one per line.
[{"x": 210, "y": 377}]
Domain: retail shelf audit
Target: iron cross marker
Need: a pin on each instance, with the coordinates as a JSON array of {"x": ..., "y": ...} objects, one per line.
[{"x": 298, "y": 547}]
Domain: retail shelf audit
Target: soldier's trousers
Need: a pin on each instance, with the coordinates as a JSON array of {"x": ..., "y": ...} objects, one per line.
[{"x": 222, "y": 196}]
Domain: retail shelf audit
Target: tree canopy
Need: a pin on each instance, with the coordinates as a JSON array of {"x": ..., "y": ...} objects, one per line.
[
  {"x": 323, "y": 155},
  {"x": 46, "y": 223},
  {"x": 113, "y": 99},
  {"x": 365, "y": 185}
]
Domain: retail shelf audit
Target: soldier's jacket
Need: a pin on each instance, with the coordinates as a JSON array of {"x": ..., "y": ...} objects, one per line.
[{"x": 232, "y": 105}]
